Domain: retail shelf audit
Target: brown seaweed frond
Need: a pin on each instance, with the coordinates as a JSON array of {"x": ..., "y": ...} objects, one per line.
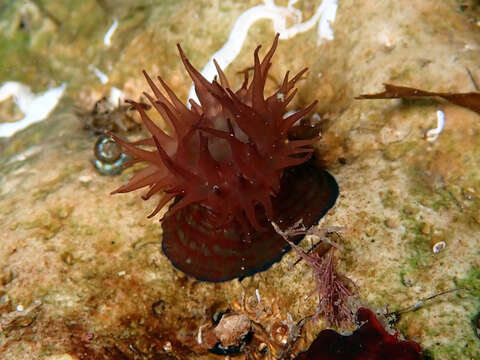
[{"x": 469, "y": 100}]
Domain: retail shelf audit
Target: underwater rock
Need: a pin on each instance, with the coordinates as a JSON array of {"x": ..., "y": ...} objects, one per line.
[{"x": 376, "y": 150}]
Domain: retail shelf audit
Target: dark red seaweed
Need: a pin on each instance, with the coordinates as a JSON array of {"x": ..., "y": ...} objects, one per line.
[{"x": 369, "y": 342}]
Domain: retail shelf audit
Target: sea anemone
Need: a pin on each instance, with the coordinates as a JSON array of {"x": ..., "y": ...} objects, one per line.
[{"x": 226, "y": 163}]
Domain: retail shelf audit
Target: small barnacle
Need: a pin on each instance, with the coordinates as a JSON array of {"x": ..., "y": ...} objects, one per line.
[
  {"x": 273, "y": 335},
  {"x": 253, "y": 304},
  {"x": 67, "y": 258},
  {"x": 280, "y": 333},
  {"x": 109, "y": 158},
  {"x": 167, "y": 347},
  {"x": 158, "y": 308}
]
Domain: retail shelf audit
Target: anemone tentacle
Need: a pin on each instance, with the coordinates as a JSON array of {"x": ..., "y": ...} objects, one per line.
[{"x": 228, "y": 152}]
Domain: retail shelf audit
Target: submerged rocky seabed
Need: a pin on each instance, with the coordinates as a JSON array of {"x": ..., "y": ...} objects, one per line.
[{"x": 82, "y": 274}]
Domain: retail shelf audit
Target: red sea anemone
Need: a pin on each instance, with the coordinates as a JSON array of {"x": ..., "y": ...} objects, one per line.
[
  {"x": 231, "y": 168},
  {"x": 369, "y": 342}
]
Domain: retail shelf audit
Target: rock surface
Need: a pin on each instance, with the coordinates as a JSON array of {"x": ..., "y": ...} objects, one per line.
[{"x": 82, "y": 274}]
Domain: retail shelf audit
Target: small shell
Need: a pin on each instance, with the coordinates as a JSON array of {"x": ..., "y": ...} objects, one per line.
[
  {"x": 280, "y": 333},
  {"x": 109, "y": 159},
  {"x": 439, "y": 246},
  {"x": 252, "y": 305}
]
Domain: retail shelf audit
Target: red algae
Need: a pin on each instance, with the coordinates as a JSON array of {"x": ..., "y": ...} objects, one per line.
[
  {"x": 335, "y": 291},
  {"x": 369, "y": 342}
]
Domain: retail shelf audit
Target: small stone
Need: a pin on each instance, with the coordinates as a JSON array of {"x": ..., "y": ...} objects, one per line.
[
  {"x": 439, "y": 246},
  {"x": 85, "y": 179},
  {"x": 231, "y": 329},
  {"x": 476, "y": 217},
  {"x": 167, "y": 346},
  {"x": 469, "y": 193},
  {"x": 67, "y": 258},
  {"x": 371, "y": 231},
  {"x": 158, "y": 307},
  {"x": 391, "y": 223},
  {"x": 394, "y": 134},
  {"x": 426, "y": 229},
  {"x": 51, "y": 229},
  {"x": 46, "y": 219}
]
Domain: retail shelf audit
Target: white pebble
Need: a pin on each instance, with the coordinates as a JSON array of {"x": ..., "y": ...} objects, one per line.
[{"x": 439, "y": 246}]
